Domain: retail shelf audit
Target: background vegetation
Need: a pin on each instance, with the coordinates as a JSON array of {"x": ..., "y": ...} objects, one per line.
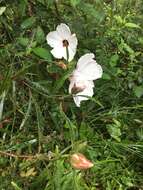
[{"x": 40, "y": 126}]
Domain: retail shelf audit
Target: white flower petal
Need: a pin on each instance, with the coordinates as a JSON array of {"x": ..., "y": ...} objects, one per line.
[
  {"x": 72, "y": 82},
  {"x": 87, "y": 87},
  {"x": 77, "y": 100},
  {"x": 92, "y": 71},
  {"x": 73, "y": 42},
  {"x": 87, "y": 68},
  {"x": 81, "y": 96},
  {"x": 84, "y": 60},
  {"x": 54, "y": 39},
  {"x": 64, "y": 31},
  {"x": 88, "y": 91},
  {"x": 72, "y": 53},
  {"x": 58, "y": 52}
]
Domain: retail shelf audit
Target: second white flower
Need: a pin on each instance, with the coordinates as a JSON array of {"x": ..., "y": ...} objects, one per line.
[{"x": 81, "y": 80}]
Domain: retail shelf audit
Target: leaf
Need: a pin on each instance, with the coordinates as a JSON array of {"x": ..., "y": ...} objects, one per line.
[
  {"x": 131, "y": 25},
  {"x": 39, "y": 87},
  {"x": 69, "y": 124},
  {"x": 119, "y": 19},
  {"x": 53, "y": 69},
  {"x": 41, "y": 1},
  {"x": 126, "y": 47},
  {"x": 40, "y": 36},
  {"x": 28, "y": 23},
  {"x": 40, "y": 179},
  {"x": 26, "y": 116},
  {"x": 40, "y": 122},
  {"x": 85, "y": 131},
  {"x": 114, "y": 131},
  {"x": 113, "y": 60},
  {"x": 75, "y": 2},
  {"x": 140, "y": 39},
  {"x": 106, "y": 76},
  {"x": 15, "y": 186},
  {"x": 138, "y": 90},
  {"x": 22, "y": 7},
  {"x": 95, "y": 15},
  {"x": 23, "y": 41},
  {"x": 42, "y": 53},
  {"x": 23, "y": 70},
  {"x": 59, "y": 83},
  {"x": 30, "y": 172},
  {"x": 22, "y": 145},
  {"x": 2, "y": 10},
  {"x": 2, "y": 104}
]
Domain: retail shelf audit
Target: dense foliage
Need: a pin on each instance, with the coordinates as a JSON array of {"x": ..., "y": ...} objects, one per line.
[{"x": 40, "y": 126}]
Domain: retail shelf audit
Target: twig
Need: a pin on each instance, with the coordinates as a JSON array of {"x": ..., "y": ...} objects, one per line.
[
  {"x": 57, "y": 12},
  {"x": 17, "y": 156}
]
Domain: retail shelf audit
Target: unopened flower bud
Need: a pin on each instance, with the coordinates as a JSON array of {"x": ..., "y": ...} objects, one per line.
[
  {"x": 80, "y": 162},
  {"x": 62, "y": 65}
]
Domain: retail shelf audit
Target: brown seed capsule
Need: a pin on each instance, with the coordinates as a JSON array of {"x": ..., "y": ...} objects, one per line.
[{"x": 62, "y": 65}]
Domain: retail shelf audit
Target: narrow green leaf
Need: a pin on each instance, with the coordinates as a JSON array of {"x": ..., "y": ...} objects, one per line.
[
  {"x": 2, "y": 10},
  {"x": 22, "y": 145},
  {"x": 23, "y": 41},
  {"x": 85, "y": 131},
  {"x": 75, "y": 2},
  {"x": 28, "y": 23},
  {"x": 42, "y": 53},
  {"x": 138, "y": 90},
  {"x": 40, "y": 87},
  {"x": 106, "y": 76},
  {"x": 114, "y": 131},
  {"x": 119, "y": 19},
  {"x": 40, "y": 122},
  {"x": 40, "y": 36},
  {"x": 131, "y": 25},
  {"x": 15, "y": 186},
  {"x": 23, "y": 70},
  {"x": 2, "y": 104},
  {"x": 22, "y": 7},
  {"x": 26, "y": 114},
  {"x": 59, "y": 83},
  {"x": 113, "y": 60},
  {"x": 126, "y": 47}
]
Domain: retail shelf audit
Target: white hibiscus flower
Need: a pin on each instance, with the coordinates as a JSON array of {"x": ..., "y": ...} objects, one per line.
[
  {"x": 81, "y": 80},
  {"x": 62, "y": 40}
]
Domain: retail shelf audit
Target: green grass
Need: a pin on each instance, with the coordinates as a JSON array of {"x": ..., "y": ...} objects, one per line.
[{"x": 40, "y": 126}]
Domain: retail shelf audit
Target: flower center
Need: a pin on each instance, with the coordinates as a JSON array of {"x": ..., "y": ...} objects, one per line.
[
  {"x": 65, "y": 43},
  {"x": 77, "y": 89}
]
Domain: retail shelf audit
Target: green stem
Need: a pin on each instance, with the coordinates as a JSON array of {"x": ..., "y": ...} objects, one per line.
[
  {"x": 67, "y": 53},
  {"x": 57, "y": 11}
]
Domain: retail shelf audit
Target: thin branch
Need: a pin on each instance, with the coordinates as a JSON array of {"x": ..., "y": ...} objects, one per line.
[
  {"x": 18, "y": 156},
  {"x": 57, "y": 11}
]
